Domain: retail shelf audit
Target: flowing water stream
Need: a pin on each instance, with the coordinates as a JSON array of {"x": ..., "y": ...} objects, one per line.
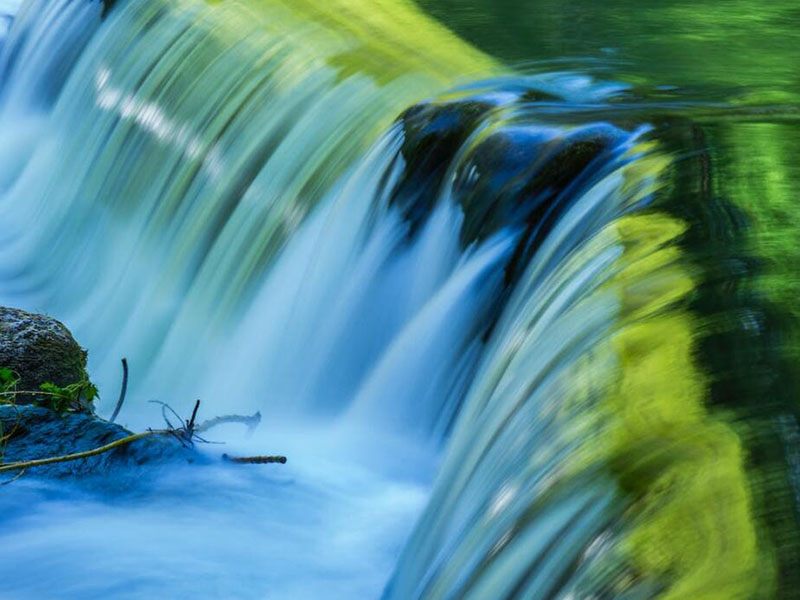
[{"x": 534, "y": 337}]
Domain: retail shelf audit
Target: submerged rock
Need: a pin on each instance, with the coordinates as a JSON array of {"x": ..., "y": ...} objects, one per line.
[
  {"x": 34, "y": 432},
  {"x": 433, "y": 133},
  {"x": 521, "y": 178},
  {"x": 506, "y": 170},
  {"x": 40, "y": 350}
]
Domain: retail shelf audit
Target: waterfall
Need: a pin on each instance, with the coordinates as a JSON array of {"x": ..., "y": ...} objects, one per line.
[
  {"x": 172, "y": 180},
  {"x": 460, "y": 296}
]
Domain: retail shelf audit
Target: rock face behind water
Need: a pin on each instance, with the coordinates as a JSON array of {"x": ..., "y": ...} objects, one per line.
[{"x": 40, "y": 350}]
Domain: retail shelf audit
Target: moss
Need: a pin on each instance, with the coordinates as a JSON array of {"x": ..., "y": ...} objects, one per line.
[{"x": 40, "y": 350}]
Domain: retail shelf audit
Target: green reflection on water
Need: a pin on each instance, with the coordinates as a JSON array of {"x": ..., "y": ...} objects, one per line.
[
  {"x": 750, "y": 48},
  {"x": 735, "y": 183}
]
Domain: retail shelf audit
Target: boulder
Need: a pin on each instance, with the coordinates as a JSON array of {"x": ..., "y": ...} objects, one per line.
[
  {"x": 40, "y": 350},
  {"x": 523, "y": 176},
  {"x": 508, "y": 169},
  {"x": 433, "y": 133},
  {"x": 33, "y": 432}
]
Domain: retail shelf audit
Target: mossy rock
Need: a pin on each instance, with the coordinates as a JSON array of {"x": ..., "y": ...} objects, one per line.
[{"x": 39, "y": 349}]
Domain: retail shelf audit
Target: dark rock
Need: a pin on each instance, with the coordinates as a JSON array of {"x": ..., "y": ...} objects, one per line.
[
  {"x": 507, "y": 169},
  {"x": 40, "y": 350},
  {"x": 493, "y": 181},
  {"x": 533, "y": 96},
  {"x": 522, "y": 177},
  {"x": 568, "y": 160},
  {"x": 36, "y": 432},
  {"x": 433, "y": 133},
  {"x": 107, "y": 6},
  {"x": 511, "y": 175}
]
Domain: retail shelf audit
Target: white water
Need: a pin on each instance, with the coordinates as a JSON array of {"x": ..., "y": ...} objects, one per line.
[
  {"x": 303, "y": 301},
  {"x": 320, "y": 526},
  {"x": 221, "y": 218}
]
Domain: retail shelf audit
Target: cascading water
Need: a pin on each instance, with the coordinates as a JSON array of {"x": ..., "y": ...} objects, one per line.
[
  {"x": 203, "y": 174},
  {"x": 476, "y": 316}
]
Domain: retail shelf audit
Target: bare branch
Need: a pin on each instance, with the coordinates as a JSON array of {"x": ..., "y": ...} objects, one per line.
[
  {"x": 251, "y": 422},
  {"x": 190, "y": 422},
  {"x": 13, "y": 479},
  {"x": 164, "y": 408},
  {"x": 254, "y": 460},
  {"x": 122, "y": 391}
]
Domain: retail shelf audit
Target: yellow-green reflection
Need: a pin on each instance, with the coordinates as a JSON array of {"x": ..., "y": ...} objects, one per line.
[
  {"x": 693, "y": 523},
  {"x": 382, "y": 38}
]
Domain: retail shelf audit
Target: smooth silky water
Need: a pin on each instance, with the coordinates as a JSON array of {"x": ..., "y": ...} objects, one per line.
[{"x": 526, "y": 374}]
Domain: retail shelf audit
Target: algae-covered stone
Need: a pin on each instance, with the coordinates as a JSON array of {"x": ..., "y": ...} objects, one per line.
[{"x": 40, "y": 350}]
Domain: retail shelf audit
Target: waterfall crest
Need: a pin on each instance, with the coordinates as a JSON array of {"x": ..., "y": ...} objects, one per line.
[{"x": 152, "y": 183}]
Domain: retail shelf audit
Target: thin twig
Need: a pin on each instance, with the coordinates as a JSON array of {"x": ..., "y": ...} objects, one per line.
[
  {"x": 185, "y": 434},
  {"x": 13, "y": 479},
  {"x": 4, "y": 437},
  {"x": 122, "y": 391},
  {"x": 254, "y": 460},
  {"x": 31, "y": 393},
  {"x": 252, "y": 422},
  {"x": 190, "y": 422},
  {"x": 164, "y": 408}
]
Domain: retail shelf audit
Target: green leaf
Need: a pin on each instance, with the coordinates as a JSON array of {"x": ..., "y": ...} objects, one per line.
[
  {"x": 73, "y": 397},
  {"x": 8, "y": 378}
]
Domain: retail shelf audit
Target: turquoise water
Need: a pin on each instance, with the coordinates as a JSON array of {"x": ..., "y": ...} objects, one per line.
[{"x": 535, "y": 337}]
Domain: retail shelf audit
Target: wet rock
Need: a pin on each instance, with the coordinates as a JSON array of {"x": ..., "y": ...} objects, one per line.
[
  {"x": 566, "y": 164},
  {"x": 433, "y": 133},
  {"x": 107, "y": 6},
  {"x": 36, "y": 432},
  {"x": 39, "y": 349},
  {"x": 533, "y": 95},
  {"x": 515, "y": 175},
  {"x": 493, "y": 183},
  {"x": 522, "y": 177}
]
